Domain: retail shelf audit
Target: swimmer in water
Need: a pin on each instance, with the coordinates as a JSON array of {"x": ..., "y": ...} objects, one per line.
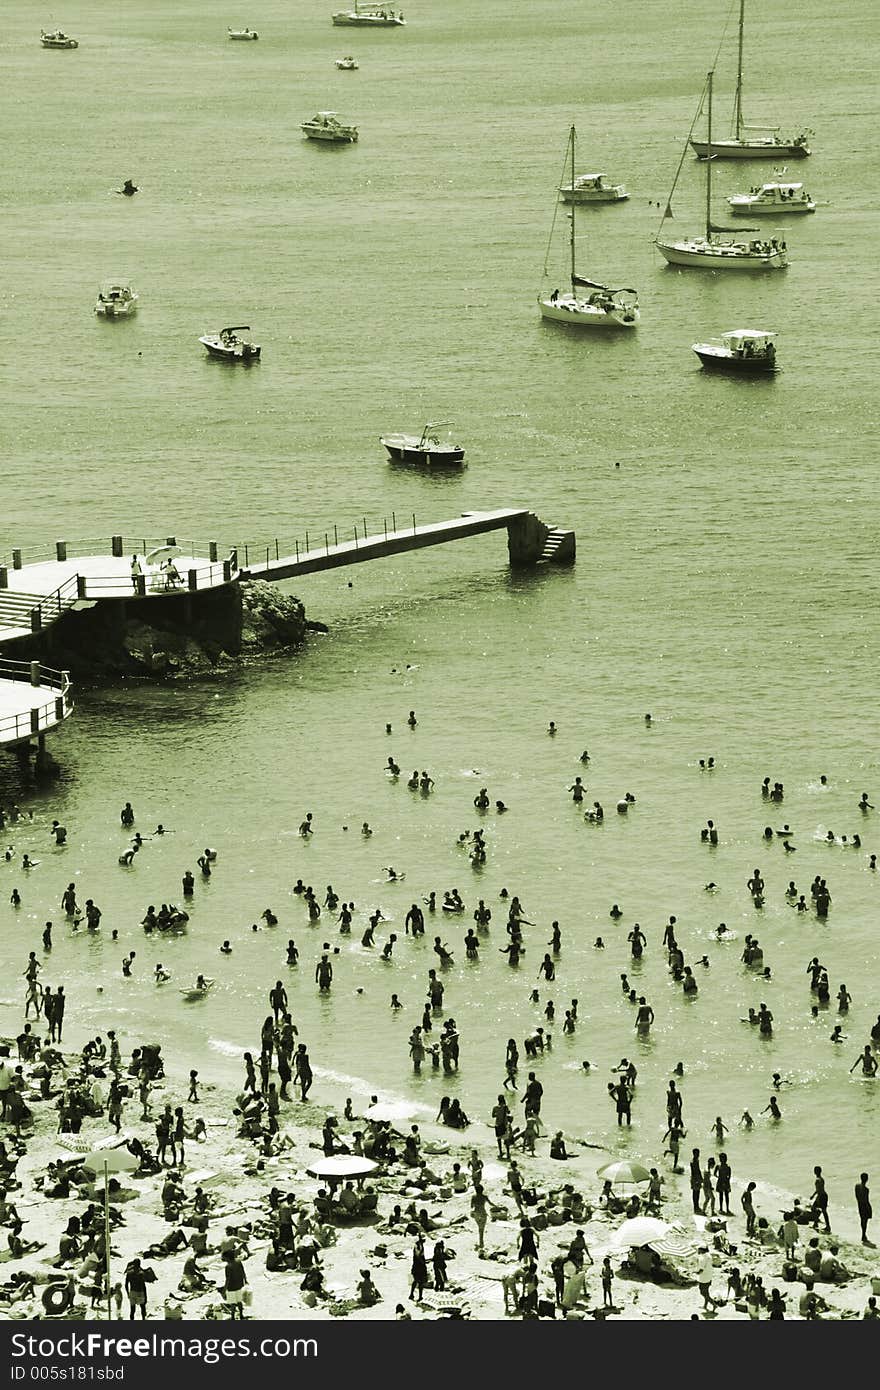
[
  {"x": 837, "y": 1034},
  {"x": 226, "y": 949},
  {"x": 161, "y": 975},
  {"x": 599, "y": 944},
  {"x": 678, "y": 1069},
  {"x": 551, "y": 728},
  {"x": 746, "y": 1120},
  {"x": 773, "y": 1109}
]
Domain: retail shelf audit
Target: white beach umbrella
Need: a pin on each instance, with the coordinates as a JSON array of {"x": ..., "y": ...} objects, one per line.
[
  {"x": 342, "y": 1166},
  {"x": 641, "y": 1230}
]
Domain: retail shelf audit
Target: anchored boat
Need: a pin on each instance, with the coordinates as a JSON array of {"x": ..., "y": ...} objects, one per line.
[
  {"x": 773, "y": 197},
  {"x": 242, "y": 33},
  {"x": 57, "y": 39},
  {"x": 751, "y": 146},
  {"x": 326, "y": 125},
  {"x": 591, "y": 188},
  {"x": 370, "y": 17},
  {"x": 425, "y": 449},
  {"x": 599, "y": 307},
  {"x": 229, "y": 346},
  {"x": 714, "y": 252},
  {"x": 116, "y": 300},
  {"x": 743, "y": 351}
]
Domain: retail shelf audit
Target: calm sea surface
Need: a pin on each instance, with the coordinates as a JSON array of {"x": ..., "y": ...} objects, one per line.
[{"x": 726, "y": 577}]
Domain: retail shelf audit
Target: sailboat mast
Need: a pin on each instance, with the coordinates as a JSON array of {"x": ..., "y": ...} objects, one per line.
[
  {"x": 709, "y": 158},
  {"x": 737, "y": 101},
  {"x": 571, "y": 214}
]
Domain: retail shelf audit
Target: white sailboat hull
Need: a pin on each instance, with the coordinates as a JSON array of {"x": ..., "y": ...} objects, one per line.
[
  {"x": 750, "y": 149},
  {"x": 725, "y": 256},
  {"x": 579, "y": 313}
]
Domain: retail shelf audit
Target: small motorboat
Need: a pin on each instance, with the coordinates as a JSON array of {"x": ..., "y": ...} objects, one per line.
[
  {"x": 590, "y": 188},
  {"x": 773, "y": 197},
  {"x": 228, "y": 345},
  {"x": 242, "y": 33},
  {"x": 116, "y": 300},
  {"x": 347, "y": 64},
  {"x": 426, "y": 449},
  {"x": 743, "y": 352},
  {"x": 326, "y": 125},
  {"x": 57, "y": 39}
]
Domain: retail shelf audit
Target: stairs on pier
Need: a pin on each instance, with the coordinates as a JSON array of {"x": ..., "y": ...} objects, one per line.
[{"x": 558, "y": 547}]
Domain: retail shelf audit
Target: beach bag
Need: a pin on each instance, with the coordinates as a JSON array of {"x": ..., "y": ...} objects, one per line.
[{"x": 247, "y": 1296}]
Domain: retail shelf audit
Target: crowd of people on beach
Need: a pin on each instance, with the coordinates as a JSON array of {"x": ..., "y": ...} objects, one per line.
[{"x": 295, "y": 1229}]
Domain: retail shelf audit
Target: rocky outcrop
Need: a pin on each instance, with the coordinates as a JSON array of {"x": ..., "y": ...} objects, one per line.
[
  {"x": 184, "y": 636},
  {"x": 269, "y": 618}
]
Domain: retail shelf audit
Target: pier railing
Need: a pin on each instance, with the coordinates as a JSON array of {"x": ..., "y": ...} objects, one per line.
[
  {"x": 242, "y": 552},
  {"x": 323, "y": 538},
  {"x": 35, "y": 720}
]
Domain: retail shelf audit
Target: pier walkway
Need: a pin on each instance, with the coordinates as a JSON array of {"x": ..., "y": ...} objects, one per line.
[
  {"x": 326, "y": 554},
  {"x": 37, "y": 587},
  {"x": 34, "y": 593},
  {"x": 33, "y": 699}
]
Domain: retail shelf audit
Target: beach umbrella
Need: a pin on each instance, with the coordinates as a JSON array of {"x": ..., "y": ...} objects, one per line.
[
  {"x": 338, "y": 1166},
  {"x": 109, "y": 1161},
  {"x": 641, "y": 1230},
  {"x": 390, "y": 1110},
  {"x": 676, "y": 1243},
  {"x": 624, "y": 1171},
  {"x": 163, "y": 552}
]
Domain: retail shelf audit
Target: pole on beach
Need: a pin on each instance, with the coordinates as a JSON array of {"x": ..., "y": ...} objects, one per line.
[{"x": 107, "y": 1234}]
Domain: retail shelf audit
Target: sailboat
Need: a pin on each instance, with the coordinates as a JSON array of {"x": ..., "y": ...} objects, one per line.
[
  {"x": 601, "y": 307},
  {"x": 370, "y": 16},
  {"x": 711, "y": 251},
  {"x": 742, "y": 146}
]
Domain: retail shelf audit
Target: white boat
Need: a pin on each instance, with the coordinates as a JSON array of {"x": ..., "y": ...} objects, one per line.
[
  {"x": 741, "y": 145},
  {"x": 426, "y": 449},
  {"x": 229, "y": 346},
  {"x": 57, "y": 39},
  {"x": 599, "y": 306},
  {"x": 347, "y": 64},
  {"x": 742, "y": 352},
  {"x": 590, "y": 188},
  {"x": 116, "y": 300},
  {"x": 370, "y": 17},
  {"x": 326, "y": 125},
  {"x": 773, "y": 197},
  {"x": 242, "y": 33},
  {"x": 711, "y": 251}
]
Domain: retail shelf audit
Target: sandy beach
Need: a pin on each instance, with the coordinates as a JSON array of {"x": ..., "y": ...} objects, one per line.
[{"x": 226, "y": 1167}]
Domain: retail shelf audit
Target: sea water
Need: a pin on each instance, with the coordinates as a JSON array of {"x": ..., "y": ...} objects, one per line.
[{"x": 725, "y": 582}]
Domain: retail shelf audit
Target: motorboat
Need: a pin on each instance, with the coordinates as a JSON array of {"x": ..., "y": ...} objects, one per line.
[
  {"x": 743, "y": 352},
  {"x": 591, "y": 188},
  {"x": 370, "y": 17},
  {"x": 228, "y": 345},
  {"x": 347, "y": 64},
  {"x": 744, "y": 142},
  {"x": 712, "y": 251},
  {"x": 242, "y": 33},
  {"x": 587, "y": 304},
  {"x": 57, "y": 39},
  {"x": 116, "y": 300},
  {"x": 773, "y": 197},
  {"x": 426, "y": 448},
  {"x": 326, "y": 125}
]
